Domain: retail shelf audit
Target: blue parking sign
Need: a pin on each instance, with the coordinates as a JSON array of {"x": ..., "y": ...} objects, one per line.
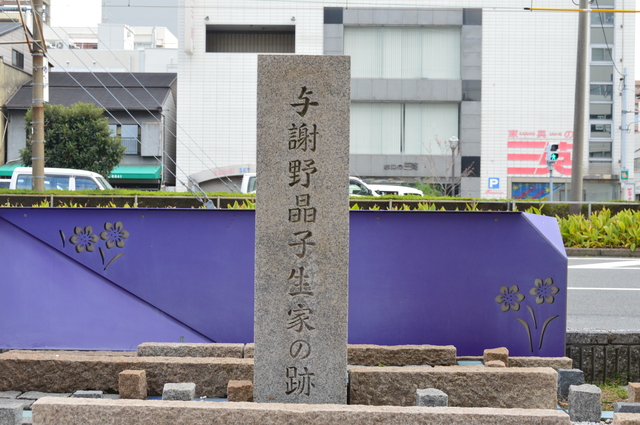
[{"x": 494, "y": 183}]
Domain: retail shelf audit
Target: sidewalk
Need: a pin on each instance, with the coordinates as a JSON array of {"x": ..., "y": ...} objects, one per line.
[{"x": 602, "y": 252}]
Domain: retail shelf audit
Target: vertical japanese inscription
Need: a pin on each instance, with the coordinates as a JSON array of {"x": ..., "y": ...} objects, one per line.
[{"x": 302, "y": 229}]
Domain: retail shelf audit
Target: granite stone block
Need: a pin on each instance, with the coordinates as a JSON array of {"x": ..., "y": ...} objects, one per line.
[
  {"x": 633, "y": 389},
  {"x": 185, "y": 391},
  {"x": 566, "y": 378},
  {"x": 466, "y": 386},
  {"x": 495, "y": 363},
  {"x": 401, "y": 355},
  {"x": 66, "y": 372},
  {"x": 10, "y": 394},
  {"x": 431, "y": 397},
  {"x": 302, "y": 227},
  {"x": 585, "y": 403},
  {"x": 501, "y": 353},
  {"x": 554, "y": 362},
  {"x": 87, "y": 394},
  {"x": 10, "y": 412},
  {"x": 133, "y": 384},
  {"x": 624, "y": 407},
  {"x": 143, "y": 412},
  {"x": 184, "y": 349},
  {"x": 626, "y": 419},
  {"x": 240, "y": 391},
  {"x": 35, "y": 395}
]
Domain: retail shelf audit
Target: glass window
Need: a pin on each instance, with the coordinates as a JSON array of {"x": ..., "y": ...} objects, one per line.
[
  {"x": 251, "y": 39},
  {"x": 85, "y": 183},
  {"x": 601, "y": 35},
  {"x": 601, "y": 73},
  {"x": 600, "y": 150},
  {"x": 601, "y": 111},
  {"x": 17, "y": 59},
  {"x": 604, "y": 18},
  {"x": 403, "y": 52},
  {"x": 397, "y": 128},
  {"x": 600, "y": 54},
  {"x": 601, "y": 130},
  {"x": 56, "y": 182},
  {"x": 601, "y": 92}
]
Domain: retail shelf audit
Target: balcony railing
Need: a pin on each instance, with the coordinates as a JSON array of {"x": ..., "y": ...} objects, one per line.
[{"x": 130, "y": 144}]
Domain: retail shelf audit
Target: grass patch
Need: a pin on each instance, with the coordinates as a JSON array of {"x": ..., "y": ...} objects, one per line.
[{"x": 612, "y": 392}]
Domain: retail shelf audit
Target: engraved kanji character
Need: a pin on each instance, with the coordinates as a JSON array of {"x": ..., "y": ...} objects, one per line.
[
  {"x": 308, "y": 214},
  {"x": 300, "y": 349},
  {"x": 304, "y": 235},
  {"x": 299, "y": 318},
  {"x": 297, "y": 168},
  {"x": 301, "y": 138},
  {"x": 300, "y": 284},
  {"x": 299, "y": 382},
  {"x": 306, "y": 101}
]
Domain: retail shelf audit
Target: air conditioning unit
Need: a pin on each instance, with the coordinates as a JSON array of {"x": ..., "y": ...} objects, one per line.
[{"x": 59, "y": 44}]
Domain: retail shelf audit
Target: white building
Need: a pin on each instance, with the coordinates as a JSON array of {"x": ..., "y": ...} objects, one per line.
[
  {"x": 501, "y": 79},
  {"x": 111, "y": 48}
]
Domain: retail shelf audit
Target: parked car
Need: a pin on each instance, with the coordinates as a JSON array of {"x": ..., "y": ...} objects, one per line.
[
  {"x": 356, "y": 186},
  {"x": 387, "y": 189},
  {"x": 60, "y": 179},
  {"x": 5, "y": 183}
]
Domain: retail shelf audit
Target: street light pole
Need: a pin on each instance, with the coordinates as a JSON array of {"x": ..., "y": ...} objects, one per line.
[
  {"x": 453, "y": 143},
  {"x": 37, "y": 103},
  {"x": 579, "y": 110}
]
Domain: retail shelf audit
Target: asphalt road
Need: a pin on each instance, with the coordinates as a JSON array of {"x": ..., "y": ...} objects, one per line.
[{"x": 603, "y": 293}]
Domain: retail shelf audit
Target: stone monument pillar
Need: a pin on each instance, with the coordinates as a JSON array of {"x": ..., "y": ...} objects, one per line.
[{"x": 302, "y": 229}]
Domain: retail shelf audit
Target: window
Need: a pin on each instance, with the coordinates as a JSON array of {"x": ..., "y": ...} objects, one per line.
[
  {"x": 129, "y": 135},
  {"x": 402, "y": 128},
  {"x": 600, "y": 111},
  {"x": 86, "y": 183},
  {"x": 601, "y": 73},
  {"x": 251, "y": 39},
  {"x": 600, "y": 54},
  {"x": 403, "y": 52},
  {"x": 17, "y": 59}
]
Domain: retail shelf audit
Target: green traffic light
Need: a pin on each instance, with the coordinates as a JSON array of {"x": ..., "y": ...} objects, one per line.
[{"x": 553, "y": 156}]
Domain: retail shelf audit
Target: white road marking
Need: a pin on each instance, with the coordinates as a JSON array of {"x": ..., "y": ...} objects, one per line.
[
  {"x": 607, "y": 265},
  {"x": 603, "y": 289}
]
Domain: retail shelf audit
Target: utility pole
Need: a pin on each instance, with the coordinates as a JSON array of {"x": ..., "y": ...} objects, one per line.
[
  {"x": 579, "y": 109},
  {"x": 37, "y": 102}
]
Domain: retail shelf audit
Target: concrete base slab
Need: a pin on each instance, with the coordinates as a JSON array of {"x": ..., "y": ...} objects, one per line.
[{"x": 55, "y": 411}]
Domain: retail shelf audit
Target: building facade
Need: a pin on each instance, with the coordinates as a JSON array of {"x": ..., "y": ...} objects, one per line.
[{"x": 470, "y": 94}]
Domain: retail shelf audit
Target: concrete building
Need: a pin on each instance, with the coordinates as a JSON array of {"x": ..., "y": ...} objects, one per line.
[
  {"x": 111, "y": 48},
  {"x": 15, "y": 70},
  {"x": 141, "y": 13},
  {"x": 499, "y": 78}
]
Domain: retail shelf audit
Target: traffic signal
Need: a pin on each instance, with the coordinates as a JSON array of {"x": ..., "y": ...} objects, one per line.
[{"x": 552, "y": 153}]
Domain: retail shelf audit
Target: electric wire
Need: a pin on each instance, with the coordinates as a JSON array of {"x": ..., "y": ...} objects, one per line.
[{"x": 145, "y": 108}]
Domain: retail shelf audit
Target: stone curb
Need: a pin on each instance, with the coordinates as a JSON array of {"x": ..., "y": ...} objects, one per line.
[{"x": 602, "y": 252}]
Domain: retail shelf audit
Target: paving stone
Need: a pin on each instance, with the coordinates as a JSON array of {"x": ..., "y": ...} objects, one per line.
[
  {"x": 35, "y": 395},
  {"x": 626, "y": 419},
  {"x": 10, "y": 394},
  {"x": 185, "y": 391},
  {"x": 10, "y": 412},
  {"x": 624, "y": 407},
  {"x": 431, "y": 397},
  {"x": 566, "y": 378},
  {"x": 111, "y": 396},
  {"x": 495, "y": 363},
  {"x": 584, "y": 403},
  {"x": 87, "y": 394}
]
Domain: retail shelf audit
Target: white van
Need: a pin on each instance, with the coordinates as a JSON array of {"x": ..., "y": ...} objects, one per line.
[
  {"x": 356, "y": 186},
  {"x": 387, "y": 189},
  {"x": 60, "y": 179}
]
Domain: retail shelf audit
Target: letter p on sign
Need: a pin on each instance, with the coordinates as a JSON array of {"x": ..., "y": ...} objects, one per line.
[{"x": 494, "y": 183}]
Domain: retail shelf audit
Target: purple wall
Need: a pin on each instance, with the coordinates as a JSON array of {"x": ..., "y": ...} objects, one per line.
[{"x": 472, "y": 279}]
